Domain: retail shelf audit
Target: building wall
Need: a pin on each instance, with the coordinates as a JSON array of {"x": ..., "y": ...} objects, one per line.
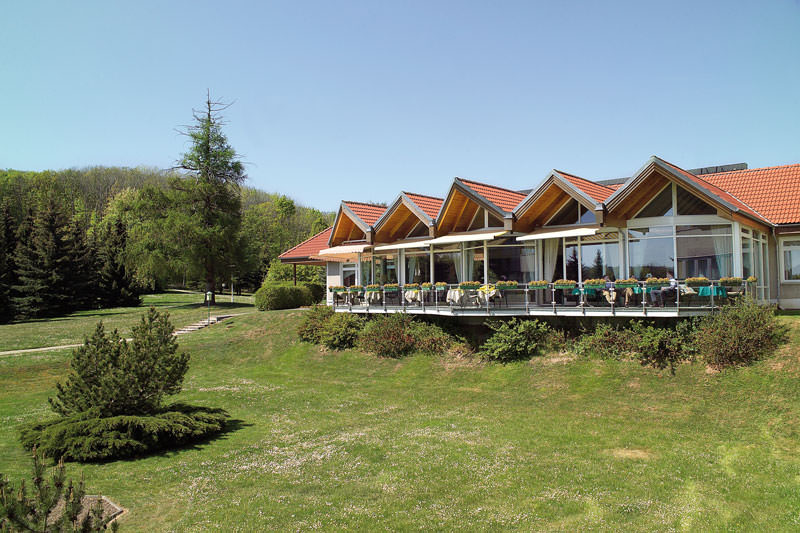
[{"x": 333, "y": 277}]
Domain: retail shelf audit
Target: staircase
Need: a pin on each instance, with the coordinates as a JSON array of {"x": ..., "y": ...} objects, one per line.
[{"x": 202, "y": 324}]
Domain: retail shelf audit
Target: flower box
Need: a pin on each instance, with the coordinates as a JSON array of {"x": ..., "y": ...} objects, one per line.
[
  {"x": 337, "y": 288},
  {"x": 411, "y": 287},
  {"x": 504, "y": 285},
  {"x": 626, "y": 283},
  {"x": 391, "y": 287},
  {"x": 697, "y": 282},
  {"x": 657, "y": 283},
  {"x": 372, "y": 288},
  {"x": 470, "y": 285},
  {"x": 426, "y": 287},
  {"x": 565, "y": 284},
  {"x": 731, "y": 282},
  {"x": 594, "y": 284},
  {"x": 752, "y": 280},
  {"x": 354, "y": 289},
  {"x": 537, "y": 285},
  {"x": 440, "y": 286}
]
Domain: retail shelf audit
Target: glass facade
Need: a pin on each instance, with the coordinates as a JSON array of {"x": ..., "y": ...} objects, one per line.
[
  {"x": 385, "y": 268},
  {"x": 474, "y": 262},
  {"x": 511, "y": 262},
  {"x": 704, "y": 251},
  {"x": 650, "y": 251},
  {"x": 447, "y": 264},
  {"x": 418, "y": 266}
]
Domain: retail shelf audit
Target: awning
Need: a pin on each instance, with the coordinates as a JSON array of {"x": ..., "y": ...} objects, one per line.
[
  {"x": 555, "y": 234},
  {"x": 403, "y": 245},
  {"x": 466, "y": 237},
  {"x": 345, "y": 250}
]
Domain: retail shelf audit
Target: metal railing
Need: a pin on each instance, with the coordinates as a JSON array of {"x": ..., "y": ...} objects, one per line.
[{"x": 642, "y": 296}]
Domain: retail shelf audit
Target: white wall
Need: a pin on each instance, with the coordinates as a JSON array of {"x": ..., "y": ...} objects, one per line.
[{"x": 333, "y": 277}]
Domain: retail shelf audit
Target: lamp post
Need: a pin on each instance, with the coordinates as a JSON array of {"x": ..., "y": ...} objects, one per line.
[{"x": 208, "y": 304}]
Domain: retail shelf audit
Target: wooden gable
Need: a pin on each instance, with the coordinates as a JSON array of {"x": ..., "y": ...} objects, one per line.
[
  {"x": 399, "y": 221},
  {"x": 542, "y": 205},
  {"x": 348, "y": 227}
]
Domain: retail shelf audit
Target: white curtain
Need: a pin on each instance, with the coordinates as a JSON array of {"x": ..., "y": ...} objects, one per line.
[
  {"x": 723, "y": 250},
  {"x": 550, "y": 257},
  {"x": 411, "y": 268}
]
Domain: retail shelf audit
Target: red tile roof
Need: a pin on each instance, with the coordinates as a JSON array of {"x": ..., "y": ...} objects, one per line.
[
  {"x": 505, "y": 199},
  {"x": 310, "y": 247},
  {"x": 369, "y": 213},
  {"x": 714, "y": 190},
  {"x": 593, "y": 190},
  {"x": 429, "y": 205},
  {"x": 774, "y": 192}
]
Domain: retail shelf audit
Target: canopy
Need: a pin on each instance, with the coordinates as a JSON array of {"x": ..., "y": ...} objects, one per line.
[
  {"x": 403, "y": 245},
  {"x": 345, "y": 250},
  {"x": 554, "y": 234},
  {"x": 466, "y": 237}
]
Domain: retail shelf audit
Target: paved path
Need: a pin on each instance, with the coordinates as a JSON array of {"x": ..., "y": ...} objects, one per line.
[{"x": 182, "y": 331}]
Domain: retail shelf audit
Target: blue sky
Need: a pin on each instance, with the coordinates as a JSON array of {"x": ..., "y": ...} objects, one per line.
[{"x": 359, "y": 100}]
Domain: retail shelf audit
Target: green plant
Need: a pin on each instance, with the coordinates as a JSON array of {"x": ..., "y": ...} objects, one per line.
[
  {"x": 270, "y": 297},
  {"x": 316, "y": 290},
  {"x": 658, "y": 347},
  {"x": 310, "y": 328},
  {"x": 605, "y": 341},
  {"x": 515, "y": 339},
  {"x": 53, "y": 506},
  {"x": 341, "y": 331},
  {"x": 387, "y": 335},
  {"x": 752, "y": 279},
  {"x": 430, "y": 338},
  {"x": 739, "y": 334}
]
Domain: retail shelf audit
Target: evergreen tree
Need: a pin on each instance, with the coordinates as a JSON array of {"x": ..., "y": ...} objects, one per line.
[
  {"x": 7, "y": 245},
  {"x": 42, "y": 264},
  {"x": 82, "y": 281},
  {"x": 116, "y": 283}
]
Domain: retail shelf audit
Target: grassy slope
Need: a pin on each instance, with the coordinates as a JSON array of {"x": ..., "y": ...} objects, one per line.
[
  {"x": 184, "y": 309},
  {"x": 344, "y": 439}
]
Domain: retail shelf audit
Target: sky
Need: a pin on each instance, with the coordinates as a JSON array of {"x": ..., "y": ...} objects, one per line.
[{"x": 361, "y": 100}]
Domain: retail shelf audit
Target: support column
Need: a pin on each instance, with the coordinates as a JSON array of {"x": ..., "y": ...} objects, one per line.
[
  {"x": 485, "y": 262},
  {"x": 294, "y": 275},
  {"x": 737, "y": 250}
]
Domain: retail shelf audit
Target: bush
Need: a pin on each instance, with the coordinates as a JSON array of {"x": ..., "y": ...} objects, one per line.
[
  {"x": 341, "y": 331},
  {"x": 515, "y": 339},
  {"x": 317, "y": 291},
  {"x": 657, "y": 347},
  {"x": 88, "y": 436},
  {"x": 606, "y": 342},
  {"x": 387, "y": 335},
  {"x": 313, "y": 322},
  {"x": 738, "y": 334},
  {"x": 278, "y": 296},
  {"x": 430, "y": 338}
]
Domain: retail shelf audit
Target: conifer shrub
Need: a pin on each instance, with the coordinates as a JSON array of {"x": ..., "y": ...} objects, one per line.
[
  {"x": 310, "y": 329},
  {"x": 111, "y": 403},
  {"x": 515, "y": 339},
  {"x": 739, "y": 334},
  {"x": 341, "y": 331}
]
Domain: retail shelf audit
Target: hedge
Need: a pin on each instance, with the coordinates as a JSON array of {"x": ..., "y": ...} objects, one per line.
[{"x": 287, "y": 296}]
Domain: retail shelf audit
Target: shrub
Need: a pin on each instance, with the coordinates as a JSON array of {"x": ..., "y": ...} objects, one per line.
[
  {"x": 313, "y": 322},
  {"x": 738, "y": 334},
  {"x": 605, "y": 341},
  {"x": 515, "y": 339},
  {"x": 89, "y": 437},
  {"x": 387, "y": 335},
  {"x": 341, "y": 331},
  {"x": 430, "y": 338},
  {"x": 317, "y": 291},
  {"x": 278, "y": 296},
  {"x": 657, "y": 347}
]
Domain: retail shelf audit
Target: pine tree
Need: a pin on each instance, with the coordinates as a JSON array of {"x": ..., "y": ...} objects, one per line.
[
  {"x": 115, "y": 281},
  {"x": 7, "y": 279},
  {"x": 42, "y": 264},
  {"x": 82, "y": 279}
]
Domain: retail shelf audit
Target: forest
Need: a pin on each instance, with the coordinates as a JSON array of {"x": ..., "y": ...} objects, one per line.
[{"x": 100, "y": 236}]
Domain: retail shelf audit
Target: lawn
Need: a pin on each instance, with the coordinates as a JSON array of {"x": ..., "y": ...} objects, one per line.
[
  {"x": 184, "y": 308},
  {"x": 345, "y": 440}
]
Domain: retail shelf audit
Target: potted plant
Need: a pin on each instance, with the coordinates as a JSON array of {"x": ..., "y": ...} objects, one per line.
[
  {"x": 698, "y": 282},
  {"x": 337, "y": 288},
  {"x": 628, "y": 283},
  {"x": 372, "y": 288},
  {"x": 354, "y": 288},
  {"x": 469, "y": 285},
  {"x": 391, "y": 287},
  {"x": 752, "y": 280},
  {"x": 657, "y": 283},
  {"x": 565, "y": 284},
  {"x": 730, "y": 281},
  {"x": 537, "y": 285},
  {"x": 411, "y": 286},
  {"x": 440, "y": 286},
  {"x": 426, "y": 286},
  {"x": 594, "y": 283},
  {"x": 504, "y": 285}
]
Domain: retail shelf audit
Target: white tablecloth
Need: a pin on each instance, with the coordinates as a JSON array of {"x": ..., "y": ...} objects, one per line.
[
  {"x": 412, "y": 296},
  {"x": 373, "y": 297}
]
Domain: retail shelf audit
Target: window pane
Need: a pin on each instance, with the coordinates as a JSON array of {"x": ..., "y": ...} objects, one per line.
[
  {"x": 711, "y": 229},
  {"x": 598, "y": 260},
  {"x": 348, "y": 274},
  {"x": 420, "y": 230},
  {"x": 566, "y": 215},
  {"x": 747, "y": 258},
  {"x": 477, "y": 221},
  {"x": 495, "y": 222},
  {"x": 385, "y": 269},
  {"x": 418, "y": 267},
  {"x": 447, "y": 266},
  {"x": 571, "y": 259},
  {"x": 366, "y": 269},
  {"x": 653, "y": 231},
  {"x": 513, "y": 263},
  {"x": 660, "y": 206},
  {"x": 651, "y": 256},
  {"x": 711, "y": 257},
  {"x": 587, "y": 217},
  {"x": 791, "y": 260},
  {"x": 474, "y": 265},
  {"x": 689, "y": 204}
]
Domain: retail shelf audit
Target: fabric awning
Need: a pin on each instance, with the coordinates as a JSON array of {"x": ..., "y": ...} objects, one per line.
[
  {"x": 555, "y": 234},
  {"x": 403, "y": 245},
  {"x": 466, "y": 237},
  {"x": 345, "y": 250}
]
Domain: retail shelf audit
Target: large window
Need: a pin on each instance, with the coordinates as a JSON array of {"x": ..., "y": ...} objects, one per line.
[
  {"x": 592, "y": 257},
  {"x": 675, "y": 200},
  {"x": 705, "y": 251},
  {"x": 511, "y": 262},
  {"x": 650, "y": 251},
  {"x": 791, "y": 260},
  {"x": 572, "y": 213},
  {"x": 447, "y": 264},
  {"x": 385, "y": 268},
  {"x": 474, "y": 263},
  {"x": 418, "y": 266},
  {"x": 349, "y": 274}
]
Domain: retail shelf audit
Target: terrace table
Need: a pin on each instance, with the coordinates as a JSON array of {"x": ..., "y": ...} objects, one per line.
[
  {"x": 411, "y": 296},
  {"x": 456, "y": 296},
  {"x": 485, "y": 294},
  {"x": 373, "y": 297},
  {"x": 716, "y": 290}
]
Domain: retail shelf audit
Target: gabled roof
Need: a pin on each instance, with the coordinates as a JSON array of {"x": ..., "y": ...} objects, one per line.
[
  {"x": 368, "y": 213},
  {"x": 309, "y": 248},
  {"x": 505, "y": 199},
  {"x": 774, "y": 192},
  {"x": 595, "y": 191},
  {"x": 429, "y": 205}
]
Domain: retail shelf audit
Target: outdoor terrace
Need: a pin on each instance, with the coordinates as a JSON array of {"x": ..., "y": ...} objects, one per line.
[{"x": 634, "y": 299}]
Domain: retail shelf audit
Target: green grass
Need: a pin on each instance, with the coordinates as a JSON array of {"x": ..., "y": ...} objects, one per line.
[
  {"x": 184, "y": 308},
  {"x": 345, "y": 440}
]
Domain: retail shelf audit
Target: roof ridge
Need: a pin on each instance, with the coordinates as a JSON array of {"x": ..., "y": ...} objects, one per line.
[
  {"x": 362, "y": 203},
  {"x": 583, "y": 179},
  {"x": 751, "y": 169},
  {"x": 306, "y": 240},
  {"x": 490, "y": 185}
]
